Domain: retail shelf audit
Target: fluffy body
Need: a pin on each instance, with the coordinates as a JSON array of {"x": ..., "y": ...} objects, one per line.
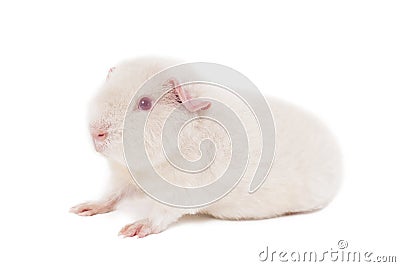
[{"x": 305, "y": 174}]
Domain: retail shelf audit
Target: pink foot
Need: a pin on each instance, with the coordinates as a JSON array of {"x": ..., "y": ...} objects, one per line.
[
  {"x": 92, "y": 208},
  {"x": 140, "y": 229}
]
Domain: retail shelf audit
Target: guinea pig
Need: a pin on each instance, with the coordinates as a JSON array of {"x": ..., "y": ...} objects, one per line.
[{"x": 305, "y": 174}]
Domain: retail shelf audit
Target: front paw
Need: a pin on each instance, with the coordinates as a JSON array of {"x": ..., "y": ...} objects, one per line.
[
  {"x": 91, "y": 208},
  {"x": 140, "y": 229}
]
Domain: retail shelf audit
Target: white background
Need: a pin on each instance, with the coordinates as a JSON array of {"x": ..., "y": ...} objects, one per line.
[{"x": 339, "y": 59}]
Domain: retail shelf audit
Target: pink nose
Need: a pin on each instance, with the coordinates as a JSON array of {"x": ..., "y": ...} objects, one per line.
[{"x": 99, "y": 136}]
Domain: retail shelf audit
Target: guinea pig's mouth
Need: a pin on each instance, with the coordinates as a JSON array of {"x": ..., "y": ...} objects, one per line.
[
  {"x": 99, "y": 146},
  {"x": 99, "y": 136}
]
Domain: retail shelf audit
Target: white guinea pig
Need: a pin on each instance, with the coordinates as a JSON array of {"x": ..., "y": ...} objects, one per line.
[{"x": 304, "y": 176}]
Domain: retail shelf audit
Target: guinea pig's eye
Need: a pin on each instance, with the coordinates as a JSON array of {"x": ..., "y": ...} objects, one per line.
[{"x": 145, "y": 103}]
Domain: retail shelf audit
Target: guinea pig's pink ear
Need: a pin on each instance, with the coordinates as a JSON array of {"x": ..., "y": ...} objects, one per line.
[
  {"x": 109, "y": 72},
  {"x": 192, "y": 105}
]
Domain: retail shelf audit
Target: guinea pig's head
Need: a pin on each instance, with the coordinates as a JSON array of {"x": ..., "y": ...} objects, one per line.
[{"x": 108, "y": 108}]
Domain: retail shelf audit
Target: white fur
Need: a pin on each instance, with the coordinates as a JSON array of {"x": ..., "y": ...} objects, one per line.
[{"x": 305, "y": 174}]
